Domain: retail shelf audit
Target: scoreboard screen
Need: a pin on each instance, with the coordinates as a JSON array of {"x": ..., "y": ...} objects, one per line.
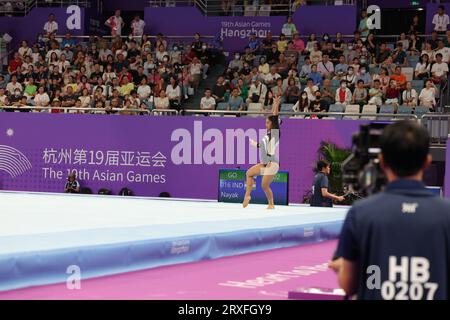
[{"x": 232, "y": 187}]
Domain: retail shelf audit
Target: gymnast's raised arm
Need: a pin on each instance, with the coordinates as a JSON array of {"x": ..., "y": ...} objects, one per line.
[{"x": 276, "y": 105}]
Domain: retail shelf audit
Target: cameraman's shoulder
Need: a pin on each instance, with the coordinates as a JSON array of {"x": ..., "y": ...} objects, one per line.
[{"x": 442, "y": 204}]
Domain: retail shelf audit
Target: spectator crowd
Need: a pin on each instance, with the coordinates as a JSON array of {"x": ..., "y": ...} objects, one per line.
[
  {"x": 312, "y": 75},
  {"x": 136, "y": 74}
]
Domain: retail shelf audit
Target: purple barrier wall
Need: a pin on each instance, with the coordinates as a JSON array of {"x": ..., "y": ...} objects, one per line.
[
  {"x": 150, "y": 155},
  {"x": 27, "y": 28},
  {"x": 447, "y": 172},
  {"x": 235, "y": 30},
  {"x": 431, "y": 11}
]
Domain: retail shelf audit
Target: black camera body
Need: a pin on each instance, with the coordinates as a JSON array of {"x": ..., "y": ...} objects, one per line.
[{"x": 361, "y": 171}]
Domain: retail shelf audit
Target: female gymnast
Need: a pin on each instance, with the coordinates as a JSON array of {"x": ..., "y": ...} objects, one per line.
[{"x": 269, "y": 165}]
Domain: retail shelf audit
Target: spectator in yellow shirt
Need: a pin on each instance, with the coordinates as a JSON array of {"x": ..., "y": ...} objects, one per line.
[
  {"x": 126, "y": 87},
  {"x": 282, "y": 43}
]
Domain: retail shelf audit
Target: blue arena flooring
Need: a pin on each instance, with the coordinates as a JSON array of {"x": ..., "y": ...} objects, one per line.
[{"x": 42, "y": 235}]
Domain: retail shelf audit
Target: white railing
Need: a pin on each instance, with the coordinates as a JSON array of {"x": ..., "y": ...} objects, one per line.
[
  {"x": 292, "y": 114},
  {"x": 23, "y": 7},
  {"x": 248, "y": 8},
  {"x": 302, "y": 115}
]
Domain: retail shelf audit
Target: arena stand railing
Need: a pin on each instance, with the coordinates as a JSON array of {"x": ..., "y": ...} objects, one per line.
[
  {"x": 219, "y": 113},
  {"x": 248, "y": 7},
  {"x": 23, "y": 7}
]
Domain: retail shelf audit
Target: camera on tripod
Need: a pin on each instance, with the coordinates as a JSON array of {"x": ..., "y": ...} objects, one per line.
[{"x": 361, "y": 171}]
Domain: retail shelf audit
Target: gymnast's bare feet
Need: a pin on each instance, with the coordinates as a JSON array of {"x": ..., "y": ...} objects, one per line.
[
  {"x": 271, "y": 207},
  {"x": 246, "y": 201}
]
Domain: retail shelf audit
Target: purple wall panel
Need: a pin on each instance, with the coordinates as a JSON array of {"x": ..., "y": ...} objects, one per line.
[
  {"x": 235, "y": 30},
  {"x": 121, "y": 151}
]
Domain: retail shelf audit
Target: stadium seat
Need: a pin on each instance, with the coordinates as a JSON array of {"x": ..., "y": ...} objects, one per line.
[
  {"x": 385, "y": 109},
  {"x": 171, "y": 3},
  {"x": 287, "y": 107},
  {"x": 352, "y": 108},
  {"x": 408, "y": 72},
  {"x": 417, "y": 83},
  {"x": 404, "y": 110},
  {"x": 264, "y": 10},
  {"x": 336, "y": 108},
  {"x": 419, "y": 111},
  {"x": 335, "y": 83},
  {"x": 250, "y": 11},
  {"x": 412, "y": 61},
  {"x": 255, "y": 107},
  {"x": 418, "y": 89},
  {"x": 222, "y": 106},
  {"x": 369, "y": 109},
  {"x": 238, "y": 10},
  {"x": 334, "y": 88}
]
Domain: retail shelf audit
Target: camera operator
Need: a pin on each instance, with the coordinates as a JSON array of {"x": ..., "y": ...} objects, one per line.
[
  {"x": 395, "y": 245},
  {"x": 321, "y": 197},
  {"x": 72, "y": 185}
]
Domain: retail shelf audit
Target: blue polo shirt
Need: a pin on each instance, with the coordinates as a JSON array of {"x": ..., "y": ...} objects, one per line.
[
  {"x": 364, "y": 77},
  {"x": 316, "y": 78},
  {"x": 341, "y": 67},
  {"x": 254, "y": 44},
  {"x": 317, "y": 200},
  {"x": 400, "y": 240}
]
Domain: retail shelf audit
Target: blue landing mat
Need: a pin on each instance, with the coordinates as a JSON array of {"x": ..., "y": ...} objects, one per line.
[{"x": 174, "y": 232}]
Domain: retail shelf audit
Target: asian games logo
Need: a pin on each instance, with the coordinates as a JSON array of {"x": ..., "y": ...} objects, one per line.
[{"x": 12, "y": 161}]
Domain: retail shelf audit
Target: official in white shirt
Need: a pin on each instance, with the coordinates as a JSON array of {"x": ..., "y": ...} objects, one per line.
[
  {"x": 51, "y": 26},
  {"x": 440, "y": 20},
  {"x": 138, "y": 25},
  {"x": 439, "y": 70}
]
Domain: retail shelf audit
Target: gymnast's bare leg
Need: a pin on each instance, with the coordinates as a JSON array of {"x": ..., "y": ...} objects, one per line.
[
  {"x": 267, "y": 177},
  {"x": 250, "y": 182}
]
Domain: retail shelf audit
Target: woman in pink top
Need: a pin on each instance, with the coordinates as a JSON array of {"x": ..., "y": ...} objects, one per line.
[{"x": 299, "y": 44}]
